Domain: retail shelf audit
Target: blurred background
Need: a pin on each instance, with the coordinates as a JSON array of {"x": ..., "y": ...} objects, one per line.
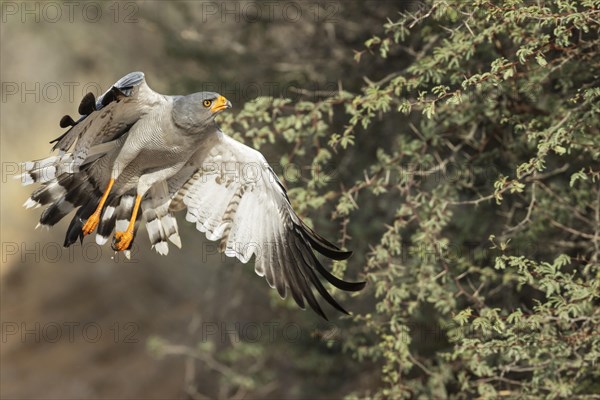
[{"x": 80, "y": 323}]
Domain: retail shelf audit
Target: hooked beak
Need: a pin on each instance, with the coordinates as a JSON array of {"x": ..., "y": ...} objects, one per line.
[{"x": 220, "y": 104}]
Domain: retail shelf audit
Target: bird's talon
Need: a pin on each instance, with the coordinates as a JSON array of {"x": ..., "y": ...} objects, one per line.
[
  {"x": 91, "y": 224},
  {"x": 122, "y": 240}
]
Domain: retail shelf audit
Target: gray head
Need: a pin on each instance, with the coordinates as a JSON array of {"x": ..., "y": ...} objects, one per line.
[{"x": 197, "y": 111}]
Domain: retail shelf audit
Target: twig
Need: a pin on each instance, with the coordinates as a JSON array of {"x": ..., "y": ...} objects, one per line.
[
  {"x": 571, "y": 230},
  {"x": 527, "y": 218},
  {"x": 419, "y": 364},
  {"x": 596, "y": 238}
]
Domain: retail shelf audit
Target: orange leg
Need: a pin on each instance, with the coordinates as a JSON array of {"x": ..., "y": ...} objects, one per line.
[
  {"x": 123, "y": 239},
  {"x": 94, "y": 219}
]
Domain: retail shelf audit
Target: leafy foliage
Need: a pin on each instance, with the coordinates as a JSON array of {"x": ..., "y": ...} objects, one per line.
[{"x": 476, "y": 167}]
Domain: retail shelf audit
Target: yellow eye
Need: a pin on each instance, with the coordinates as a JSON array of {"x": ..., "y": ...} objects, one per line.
[{"x": 206, "y": 103}]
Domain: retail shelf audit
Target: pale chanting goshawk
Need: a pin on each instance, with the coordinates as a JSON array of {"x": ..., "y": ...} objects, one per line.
[{"x": 134, "y": 151}]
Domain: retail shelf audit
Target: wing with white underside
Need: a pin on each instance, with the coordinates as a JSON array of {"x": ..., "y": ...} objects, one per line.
[{"x": 236, "y": 198}]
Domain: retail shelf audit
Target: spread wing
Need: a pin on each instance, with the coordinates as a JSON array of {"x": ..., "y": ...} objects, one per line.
[
  {"x": 234, "y": 196},
  {"x": 108, "y": 118}
]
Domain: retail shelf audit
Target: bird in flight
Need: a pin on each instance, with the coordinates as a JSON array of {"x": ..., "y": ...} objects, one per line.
[{"x": 134, "y": 154}]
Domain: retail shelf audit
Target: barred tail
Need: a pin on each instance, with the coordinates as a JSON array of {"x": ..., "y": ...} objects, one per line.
[
  {"x": 115, "y": 217},
  {"x": 62, "y": 190},
  {"x": 46, "y": 170},
  {"x": 160, "y": 222}
]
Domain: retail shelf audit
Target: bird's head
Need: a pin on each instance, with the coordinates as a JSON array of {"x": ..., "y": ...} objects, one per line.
[
  {"x": 199, "y": 109},
  {"x": 214, "y": 103}
]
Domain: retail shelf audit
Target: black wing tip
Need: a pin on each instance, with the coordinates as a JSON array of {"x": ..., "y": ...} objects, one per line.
[
  {"x": 74, "y": 232},
  {"x": 75, "y": 229},
  {"x": 357, "y": 286},
  {"x": 337, "y": 255},
  {"x": 305, "y": 265},
  {"x": 352, "y": 286},
  {"x": 343, "y": 255},
  {"x": 322, "y": 245},
  {"x": 57, "y": 140},
  {"x": 88, "y": 104},
  {"x": 317, "y": 308},
  {"x": 345, "y": 285},
  {"x": 65, "y": 122},
  {"x": 325, "y": 294},
  {"x": 322, "y": 315},
  {"x": 335, "y": 281},
  {"x": 339, "y": 308}
]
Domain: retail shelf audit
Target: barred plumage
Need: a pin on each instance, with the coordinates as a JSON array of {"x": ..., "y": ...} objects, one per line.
[{"x": 135, "y": 152}]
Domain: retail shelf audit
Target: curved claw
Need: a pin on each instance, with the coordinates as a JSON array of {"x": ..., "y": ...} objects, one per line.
[
  {"x": 122, "y": 240},
  {"x": 94, "y": 219},
  {"x": 91, "y": 224}
]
